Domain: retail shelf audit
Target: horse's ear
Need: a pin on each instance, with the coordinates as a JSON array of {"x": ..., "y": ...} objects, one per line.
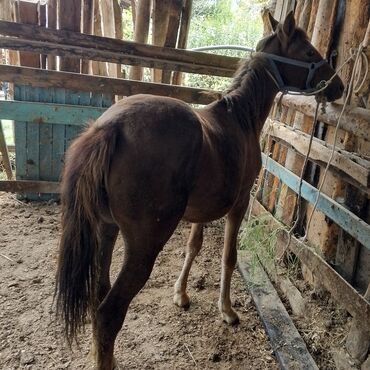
[
  {"x": 289, "y": 25},
  {"x": 273, "y": 22}
]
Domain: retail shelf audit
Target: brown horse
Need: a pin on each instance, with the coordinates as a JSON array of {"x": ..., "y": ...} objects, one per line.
[{"x": 149, "y": 162}]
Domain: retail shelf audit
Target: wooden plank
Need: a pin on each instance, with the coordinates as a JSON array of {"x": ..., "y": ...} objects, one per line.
[
  {"x": 52, "y": 23},
  {"x": 28, "y": 14},
  {"x": 355, "y": 119},
  {"x": 70, "y": 51},
  {"x": 71, "y": 131},
  {"x": 141, "y": 32},
  {"x": 46, "y": 137},
  {"x": 172, "y": 32},
  {"x": 30, "y": 186},
  {"x": 160, "y": 25},
  {"x": 79, "y": 82},
  {"x": 183, "y": 35},
  {"x": 288, "y": 346},
  {"x": 342, "y": 292},
  {"x": 131, "y": 52},
  {"x": 58, "y": 146},
  {"x": 5, "y": 155},
  {"x": 87, "y": 27},
  {"x": 320, "y": 152},
  {"x": 44, "y": 113},
  {"x": 20, "y": 139},
  {"x": 324, "y": 25},
  {"x": 108, "y": 28},
  {"x": 348, "y": 221},
  {"x": 98, "y": 68},
  {"x": 69, "y": 19}
]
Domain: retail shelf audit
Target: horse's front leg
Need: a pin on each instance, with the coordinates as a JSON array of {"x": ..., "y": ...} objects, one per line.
[
  {"x": 229, "y": 256},
  {"x": 193, "y": 246}
]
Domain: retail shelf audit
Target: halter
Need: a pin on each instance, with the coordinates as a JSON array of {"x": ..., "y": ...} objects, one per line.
[{"x": 311, "y": 66}]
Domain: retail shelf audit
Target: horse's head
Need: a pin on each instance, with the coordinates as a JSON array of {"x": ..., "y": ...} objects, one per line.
[{"x": 295, "y": 63}]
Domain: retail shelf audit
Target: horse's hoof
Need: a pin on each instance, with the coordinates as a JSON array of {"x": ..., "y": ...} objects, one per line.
[
  {"x": 231, "y": 317},
  {"x": 181, "y": 300}
]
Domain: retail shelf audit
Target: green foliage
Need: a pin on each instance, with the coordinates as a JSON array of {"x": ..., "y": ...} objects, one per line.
[
  {"x": 256, "y": 237},
  {"x": 221, "y": 22}
]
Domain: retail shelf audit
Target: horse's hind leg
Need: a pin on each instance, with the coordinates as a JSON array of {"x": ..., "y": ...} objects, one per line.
[
  {"x": 107, "y": 238},
  {"x": 142, "y": 245},
  {"x": 229, "y": 256},
  {"x": 193, "y": 246}
]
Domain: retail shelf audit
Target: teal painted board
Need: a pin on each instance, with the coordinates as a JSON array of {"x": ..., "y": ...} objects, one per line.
[
  {"x": 20, "y": 140},
  {"x": 71, "y": 130},
  {"x": 43, "y": 113},
  {"x": 347, "y": 220},
  {"x": 47, "y": 120},
  {"x": 59, "y": 145},
  {"x": 46, "y": 139}
]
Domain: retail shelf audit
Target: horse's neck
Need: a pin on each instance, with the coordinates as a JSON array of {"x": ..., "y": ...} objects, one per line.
[{"x": 252, "y": 100}]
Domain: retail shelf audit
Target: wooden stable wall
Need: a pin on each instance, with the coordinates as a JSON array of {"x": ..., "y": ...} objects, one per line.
[
  {"x": 339, "y": 230},
  {"x": 53, "y": 75}
]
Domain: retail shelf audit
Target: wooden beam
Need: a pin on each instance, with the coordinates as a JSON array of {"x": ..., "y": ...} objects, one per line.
[
  {"x": 342, "y": 292},
  {"x": 289, "y": 347},
  {"x": 25, "y": 186},
  {"x": 320, "y": 152},
  {"x": 344, "y": 218},
  {"x": 70, "y": 19},
  {"x": 42, "y": 113},
  {"x": 108, "y": 28},
  {"x": 28, "y": 14},
  {"x": 118, "y": 51},
  {"x": 80, "y": 82},
  {"x": 52, "y": 23},
  {"x": 141, "y": 33},
  {"x": 5, "y": 154},
  {"x": 87, "y": 27},
  {"x": 354, "y": 120},
  {"x": 183, "y": 35},
  {"x": 172, "y": 32}
]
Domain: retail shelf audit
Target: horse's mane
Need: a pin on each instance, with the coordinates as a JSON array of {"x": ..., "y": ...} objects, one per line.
[{"x": 248, "y": 89}]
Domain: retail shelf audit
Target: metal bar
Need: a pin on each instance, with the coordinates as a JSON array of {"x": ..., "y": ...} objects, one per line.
[
  {"x": 48, "y": 112},
  {"x": 344, "y": 218}
]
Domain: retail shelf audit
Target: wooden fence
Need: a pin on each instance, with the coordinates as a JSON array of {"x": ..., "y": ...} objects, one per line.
[{"x": 337, "y": 253}]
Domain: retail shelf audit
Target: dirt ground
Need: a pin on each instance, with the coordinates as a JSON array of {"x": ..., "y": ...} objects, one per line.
[{"x": 156, "y": 334}]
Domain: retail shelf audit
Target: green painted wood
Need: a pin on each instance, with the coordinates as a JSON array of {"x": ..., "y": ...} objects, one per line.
[
  {"x": 72, "y": 131},
  {"x": 46, "y": 139},
  {"x": 48, "y": 119},
  {"x": 59, "y": 145},
  {"x": 344, "y": 218},
  {"x": 20, "y": 138},
  {"x": 41, "y": 113}
]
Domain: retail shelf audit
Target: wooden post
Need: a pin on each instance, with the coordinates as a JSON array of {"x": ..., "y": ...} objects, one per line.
[
  {"x": 172, "y": 32},
  {"x": 42, "y": 22},
  {"x": 98, "y": 68},
  {"x": 108, "y": 28},
  {"x": 160, "y": 24},
  {"x": 311, "y": 23},
  {"x": 52, "y": 23},
  {"x": 141, "y": 33},
  {"x": 304, "y": 17},
  {"x": 87, "y": 27},
  {"x": 70, "y": 19},
  {"x": 28, "y": 13},
  {"x": 324, "y": 25},
  {"x": 5, "y": 154},
  {"x": 183, "y": 35}
]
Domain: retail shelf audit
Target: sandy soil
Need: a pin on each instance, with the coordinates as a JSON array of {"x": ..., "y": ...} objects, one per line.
[{"x": 156, "y": 334}]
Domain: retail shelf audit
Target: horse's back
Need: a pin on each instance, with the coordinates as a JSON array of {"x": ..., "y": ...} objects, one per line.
[{"x": 155, "y": 162}]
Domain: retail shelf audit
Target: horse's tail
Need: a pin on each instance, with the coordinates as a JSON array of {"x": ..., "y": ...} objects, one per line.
[{"x": 83, "y": 193}]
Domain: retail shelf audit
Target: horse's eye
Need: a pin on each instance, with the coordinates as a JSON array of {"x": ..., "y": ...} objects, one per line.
[{"x": 310, "y": 53}]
